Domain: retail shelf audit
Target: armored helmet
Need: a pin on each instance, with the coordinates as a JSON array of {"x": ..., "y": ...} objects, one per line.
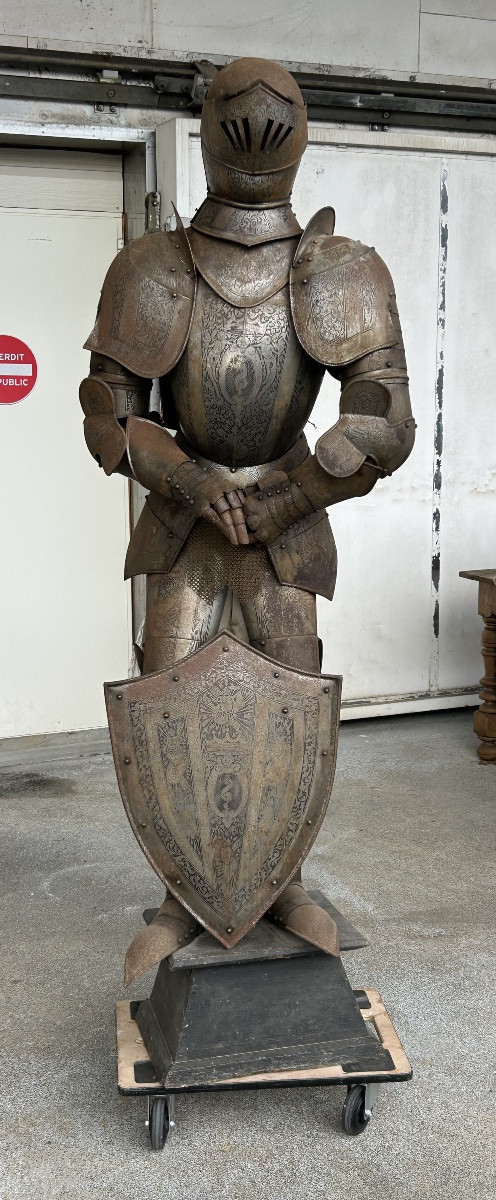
[{"x": 253, "y": 132}]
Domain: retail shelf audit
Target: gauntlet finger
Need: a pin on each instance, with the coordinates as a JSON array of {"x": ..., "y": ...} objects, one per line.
[
  {"x": 233, "y": 499},
  {"x": 221, "y": 505},
  {"x": 240, "y": 526}
]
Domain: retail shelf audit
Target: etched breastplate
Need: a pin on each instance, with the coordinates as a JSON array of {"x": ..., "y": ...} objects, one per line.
[{"x": 244, "y": 387}]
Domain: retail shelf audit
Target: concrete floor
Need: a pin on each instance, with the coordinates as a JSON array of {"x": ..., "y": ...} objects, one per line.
[{"x": 405, "y": 852}]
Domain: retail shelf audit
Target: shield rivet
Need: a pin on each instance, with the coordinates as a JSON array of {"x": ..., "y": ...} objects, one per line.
[
  {"x": 166, "y": 716},
  {"x": 276, "y": 674},
  {"x": 178, "y": 882},
  {"x": 324, "y": 752},
  {"x": 175, "y": 678},
  {"x": 229, "y": 929},
  {"x": 225, "y": 649},
  {"x": 273, "y": 882},
  {"x": 326, "y": 689},
  {"x": 308, "y": 821},
  {"x": 284, "y": 710},
  {"x": 144, "y": 824},
  {"x": 119, "y": 696},
  {"x": 127, "y": 761}
]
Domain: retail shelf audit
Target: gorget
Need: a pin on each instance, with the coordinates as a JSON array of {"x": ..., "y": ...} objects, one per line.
[{"x": 247, "y": 224}]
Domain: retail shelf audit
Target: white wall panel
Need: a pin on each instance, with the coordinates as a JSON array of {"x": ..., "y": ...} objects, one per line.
[
  {"x": 354, "y": 34},
  {"x": 91, "y": 22},
  {"x": 457, "y": 46},
  {"x": 63, "y": 533},
  {"x": 478, "y": 9},
  {"x": 469, "y": 452},
  {"x": 60, "y": 179}
]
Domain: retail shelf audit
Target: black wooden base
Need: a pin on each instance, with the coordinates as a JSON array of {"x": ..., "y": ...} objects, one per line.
[{"x": 216, "y": 1025}]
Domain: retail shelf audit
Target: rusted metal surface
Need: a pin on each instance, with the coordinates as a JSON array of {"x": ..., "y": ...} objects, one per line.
[
  {"x": 243, "y": 277},
  {"x": 245, "y": 224},
  {"x": 340, "y": 297},
  {"x": 244, "y": 387},
  {"x": 217, "y": 585},
  {"x": 225, "y": 764},
  {"x": 146, "y": 306},
  {"x": 253, "y": 132}
]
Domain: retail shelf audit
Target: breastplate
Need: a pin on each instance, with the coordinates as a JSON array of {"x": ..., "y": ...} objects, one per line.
[{"x": 244, "y": 387}]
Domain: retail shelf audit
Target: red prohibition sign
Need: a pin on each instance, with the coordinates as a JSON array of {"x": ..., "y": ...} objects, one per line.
[{"x": 18, "y": 369}]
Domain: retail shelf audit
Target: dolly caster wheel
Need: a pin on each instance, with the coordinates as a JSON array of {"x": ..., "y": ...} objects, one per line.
[
  {"x": 158, "y": 1122},
  {"x": 357, "y": 1108}
]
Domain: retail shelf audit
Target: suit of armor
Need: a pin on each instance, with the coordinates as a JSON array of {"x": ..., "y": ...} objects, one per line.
[{"x": 239, "y": 317}]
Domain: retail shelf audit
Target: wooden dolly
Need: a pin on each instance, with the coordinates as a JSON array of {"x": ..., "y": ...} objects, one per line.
[{"x": 275, "y": 1013}]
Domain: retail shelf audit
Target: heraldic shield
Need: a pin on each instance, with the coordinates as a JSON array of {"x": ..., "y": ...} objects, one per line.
[{"x": 225, "y": 763}]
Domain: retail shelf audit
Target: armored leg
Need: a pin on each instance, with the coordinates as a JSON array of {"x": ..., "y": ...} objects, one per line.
[{"x": 184, "y": 608}]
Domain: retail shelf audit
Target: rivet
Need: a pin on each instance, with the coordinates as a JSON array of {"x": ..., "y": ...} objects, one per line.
[
  {"x": 166, "y": 716},
  {"x": 181, "y": 491},
  {"x": 229, "y": 929},
  {"x": 188, "y": 270},
  {"x": 233, "y": 470},
  {"x": 324, "y": 753},
  {"x": 173, "y": 268},
  {"x": 186, "y": 497},
  {"x": 175, "y": 678},
  {"x": 326, "y": 689},
  {"x": 298, "y": 484},
  {"x": 269, "y": 493},
  {"x": 389, "y": 364},
  {"x": 304, "y": 281},
  {"x": 169, "y": 535},
  {"x": 191, "y": 931},
  {"x": 276, "y": 674},
  {"x": 178, "y": 882},
  {"x": 177, "y": 487},
  {"x": 260, "y": 497},
  {"x": 308, "y": 821},
  {"x": 225, "y": 649},
  {"x": 127, "y": 761},
  {"x": 283, "y": 545},
  {"x": 286, "y": 489},
  {"x": 119, "y": 696},
  {"x": 262, "y": 643},
  {"x": 191, "y": 502},
  {"x": 273, "y": 882},
  {"x": 174, "y": 294},
  {"x": 278, "y": 491},
  {"x": 284, "y": 710},
  {"x": 144, "y": 824},
  {"x": 168, "y": 479}
]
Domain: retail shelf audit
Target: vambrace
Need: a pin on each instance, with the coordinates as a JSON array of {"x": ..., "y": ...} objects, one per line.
[
  {"x": 159, "y": 464},
  {"x": 108, "y": 396},
  {"x": 376, "y": 419}
]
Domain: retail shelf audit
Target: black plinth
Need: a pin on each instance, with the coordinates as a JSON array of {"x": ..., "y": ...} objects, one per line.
[{"x": 214, "y": 1018}]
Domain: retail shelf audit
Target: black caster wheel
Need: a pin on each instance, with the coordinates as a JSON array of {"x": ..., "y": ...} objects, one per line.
[
  {"x": 353, "y": 1116},
  {"x": 158, "y": 1122}
]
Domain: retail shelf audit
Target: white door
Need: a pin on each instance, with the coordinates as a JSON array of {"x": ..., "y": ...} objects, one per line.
[
  {"x": 65, "y": 624},
  {"x": 403, "y": 629}
]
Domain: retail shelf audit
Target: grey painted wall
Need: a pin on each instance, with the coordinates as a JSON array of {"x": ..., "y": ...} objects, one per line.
[{"x": 451, "y": 39}]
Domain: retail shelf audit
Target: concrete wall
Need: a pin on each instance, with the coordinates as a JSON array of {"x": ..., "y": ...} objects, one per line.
[{"x": 448, "y": 39}]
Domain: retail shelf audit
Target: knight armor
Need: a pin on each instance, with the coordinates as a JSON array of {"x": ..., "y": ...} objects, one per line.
[{"x": 239, "y": 316}]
